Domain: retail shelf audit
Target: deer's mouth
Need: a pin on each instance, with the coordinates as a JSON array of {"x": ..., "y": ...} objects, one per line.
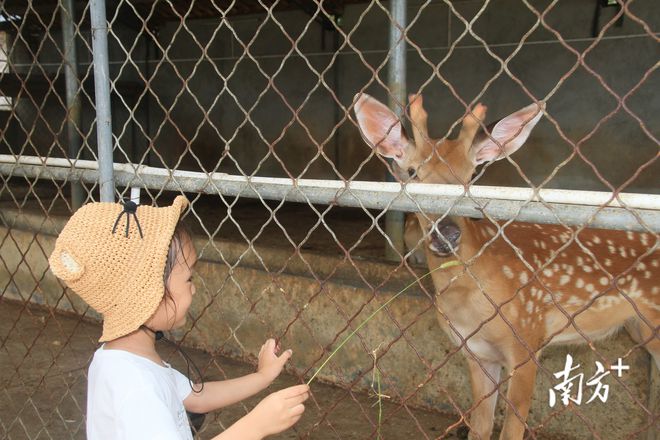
[{"x": 445, "y": 238}]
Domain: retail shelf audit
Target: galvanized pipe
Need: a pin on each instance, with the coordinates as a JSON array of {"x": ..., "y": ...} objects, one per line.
[
  {"x": 498, "y": 203},
  {"x": 102, "y": 99},
  {"x": 396, "y": 82},
  {"x": 73, "y": 119}
]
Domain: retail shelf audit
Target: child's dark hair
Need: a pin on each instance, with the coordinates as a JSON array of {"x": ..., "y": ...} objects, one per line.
[{"x": 180, "y": 236}]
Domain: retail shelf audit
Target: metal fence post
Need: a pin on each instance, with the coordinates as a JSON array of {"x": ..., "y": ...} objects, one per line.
[
  {"x": 73, "y": 121},
  {"x": 396, "y": 74},
  {"x": 102, "y": 99}
]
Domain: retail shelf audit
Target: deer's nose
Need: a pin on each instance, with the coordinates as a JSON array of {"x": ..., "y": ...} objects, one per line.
[{"x": 445, "y": 238}]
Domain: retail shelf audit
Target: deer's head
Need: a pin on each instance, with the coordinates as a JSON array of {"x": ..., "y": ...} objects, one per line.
[{"x": 452, "y": 161}]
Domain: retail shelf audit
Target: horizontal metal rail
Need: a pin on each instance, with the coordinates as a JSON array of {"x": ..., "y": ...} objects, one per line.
[{"x": 626, "y": 211}]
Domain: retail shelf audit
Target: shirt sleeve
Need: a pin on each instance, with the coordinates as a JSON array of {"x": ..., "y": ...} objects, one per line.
[
  {"x": 143, "y": 414},
  {"x": 183, "y": 385}
]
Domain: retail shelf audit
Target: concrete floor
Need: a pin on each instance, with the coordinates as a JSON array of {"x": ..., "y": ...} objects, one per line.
[{"x": 43, "y": 364}]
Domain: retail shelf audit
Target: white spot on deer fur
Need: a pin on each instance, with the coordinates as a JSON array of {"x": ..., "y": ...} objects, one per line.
[
  {"x": 523, "y": 277},
  {"x": 554, "y": 239},
  {"x": 603, "y": 281},
  {"x": 536, "y": 243},
  {"x": 654, "y": 263},
  {"x": 579, "y": 283},
  {"x": 608, "y": 262},
  {"x": 650, "y": 303},
  {"x": 587, "y": 269},
  {"x": 654, "y": 290},
  {"x": 611, "y": 249},
  {"x": 609, "y": 241},
  {"x": 507, "y": 272},
  {"x": 564, "y": 279},
  {"x": 630, "y": 235},
  {"x": 596, "y": 239},
  {"x": 537, "y": 226},
  {"x": 589, "y": 288},
  {"x": 622, "y": 251},
  {"x": 633, "y": 252},
  {"x": 570, "y": 269},
  {"x": 536, "y": 293},
  {"x": 579, "y": 260},
  {"x": 555, "y": 267},
  {"x": 641, "y": 266},
  {"x": 574, "y": 301},
  {"x": 634, "y": 291},
  {"x": 644, "y": 238},
  {"x": 647, "y": 274},
  {"x": 529, "y": 307},
  {"x": 606, "y": 302},
  {"x": 543, "y": 245},
  {"x": 547, "y": 272}
]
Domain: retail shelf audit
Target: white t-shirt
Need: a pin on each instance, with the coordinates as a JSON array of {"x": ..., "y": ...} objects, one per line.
[{"x": 132, "y": 397}]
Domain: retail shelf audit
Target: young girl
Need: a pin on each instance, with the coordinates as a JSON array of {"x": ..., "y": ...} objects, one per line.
[{"x": 134, "y": 266}]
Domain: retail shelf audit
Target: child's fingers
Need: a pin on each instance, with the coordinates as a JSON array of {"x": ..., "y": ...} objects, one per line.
[
  {"x": 295, "y": 419},
  {"x": 285, "y": 356},
  {"x": 298, "y": 410},
  {"x": 295, "y": 390},
  {"x": 296, "y": 400},
  {"x": 270, "y": 345}
]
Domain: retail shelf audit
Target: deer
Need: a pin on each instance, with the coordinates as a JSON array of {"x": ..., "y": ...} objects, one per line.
[{"x": 521, "y": 286}]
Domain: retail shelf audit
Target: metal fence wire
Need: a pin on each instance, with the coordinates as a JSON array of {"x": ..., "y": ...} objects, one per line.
[{"x": 335, "y": 152}]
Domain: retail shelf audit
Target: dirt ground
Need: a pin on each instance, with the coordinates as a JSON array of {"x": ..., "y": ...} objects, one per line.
[{"x": 44, "y": 359}]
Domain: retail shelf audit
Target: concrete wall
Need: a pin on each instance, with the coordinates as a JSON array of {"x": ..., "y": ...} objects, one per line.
[
  {"x": 238, "y": 304},
  {"x": 206, "y": 76}
]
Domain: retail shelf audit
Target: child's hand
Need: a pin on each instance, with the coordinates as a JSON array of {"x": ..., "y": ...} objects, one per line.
[
  {"x": 279, "y": 411},
  {"x": 270, "y": 365}
]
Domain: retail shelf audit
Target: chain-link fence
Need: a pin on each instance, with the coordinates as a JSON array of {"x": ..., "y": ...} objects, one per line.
[{"x": 261, "y": 113}]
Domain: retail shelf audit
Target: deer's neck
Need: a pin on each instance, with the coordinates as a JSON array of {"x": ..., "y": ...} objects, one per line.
[{"x": 474, "y": 234}]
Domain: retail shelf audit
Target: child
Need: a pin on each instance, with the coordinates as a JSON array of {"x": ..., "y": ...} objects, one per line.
[{"x": 133, "y": 264}]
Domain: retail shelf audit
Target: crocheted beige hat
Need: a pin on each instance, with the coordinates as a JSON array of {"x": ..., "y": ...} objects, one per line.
[{"x": 113, "y": 256}]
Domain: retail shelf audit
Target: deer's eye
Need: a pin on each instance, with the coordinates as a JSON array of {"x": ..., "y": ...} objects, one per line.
[{"x": 411, "y": 172}]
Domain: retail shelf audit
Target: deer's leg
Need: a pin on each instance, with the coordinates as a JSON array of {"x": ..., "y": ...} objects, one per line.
[
  {"x": 521, "y": 388},
  {"x": 481, "y": 418},
  {"x": 641, "y": 333}
]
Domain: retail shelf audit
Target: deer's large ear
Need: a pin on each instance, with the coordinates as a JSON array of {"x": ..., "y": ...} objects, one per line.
[
  {"x": 380, "y": 127},
  {"x": 510, "y": 133}
]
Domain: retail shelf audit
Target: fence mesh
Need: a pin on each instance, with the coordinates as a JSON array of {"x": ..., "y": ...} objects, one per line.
[{"x": 271, "y": 89}]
